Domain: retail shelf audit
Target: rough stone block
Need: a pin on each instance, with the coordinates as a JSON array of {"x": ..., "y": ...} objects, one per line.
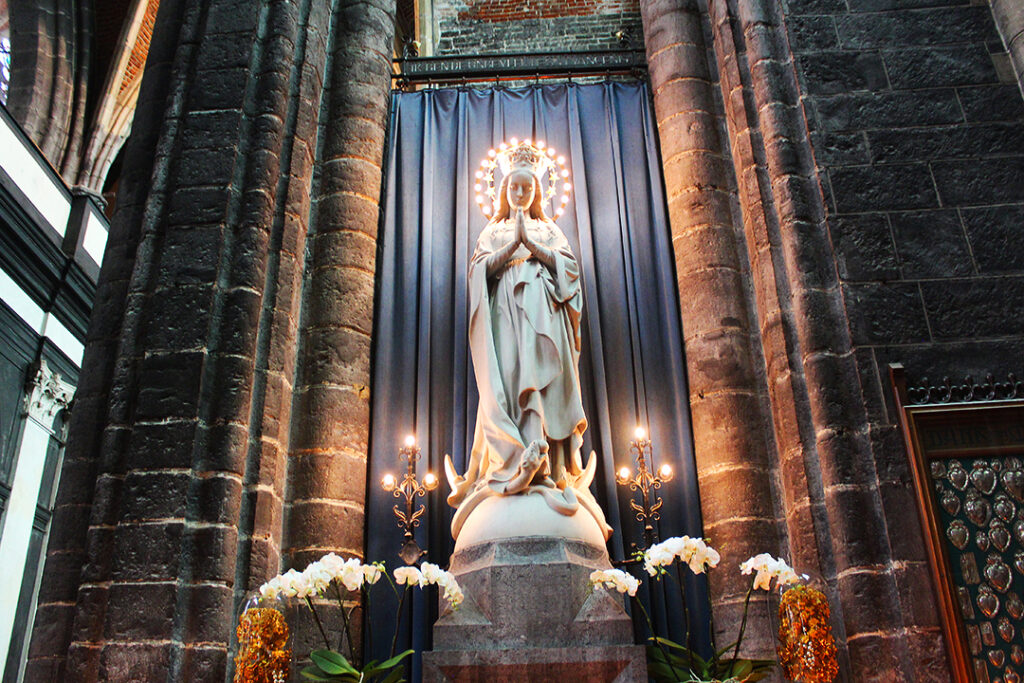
[
  {"x": 978, "y": 307},
  {"x": 869, "y": 600},
  {"x": 996, "y": 236},
  {"x": 931, "y": 244},
  {"x": 883, "y": 110},
  {"x": 932, "y": 67},
  {"x": 812, "y": 33},
  {"x": 839, "y": 149},
  {"x": 147, "y": 552},
  {"x": 874, "y": 188},
  {"x": 857, "y": 528},
  {"x": 886, "y": 313},
  {"x": 150, "y": 495},
  {"x": 927, "y": 27},
  {"x": 830, "y": 73},
  {"x": 992, "y": 103},
  {"x": 864, "y": 247},
  {"x": 125, "y": 621},
  {"x": 981, "y": 181}
]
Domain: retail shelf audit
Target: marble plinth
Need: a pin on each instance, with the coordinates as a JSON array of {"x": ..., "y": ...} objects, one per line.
[{"x": 530, "y": 615}]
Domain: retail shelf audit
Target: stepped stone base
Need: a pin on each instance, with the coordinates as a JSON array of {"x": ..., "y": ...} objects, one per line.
[
  {"x": 530, "y": 615},
  {"x": 604, "y": 664}
]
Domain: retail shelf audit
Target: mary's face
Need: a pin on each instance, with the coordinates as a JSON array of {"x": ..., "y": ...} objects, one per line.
[{"x": 520, "y": 190}]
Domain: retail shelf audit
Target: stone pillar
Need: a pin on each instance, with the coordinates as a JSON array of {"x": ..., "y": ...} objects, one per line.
[
  {"x": 731, "y": 426},
  {"x": 331, "y": 414},
  {"x": 49, "y": 73},
  {"x": 190, "y": 386},
  {"x": 1009, "y": 16}
]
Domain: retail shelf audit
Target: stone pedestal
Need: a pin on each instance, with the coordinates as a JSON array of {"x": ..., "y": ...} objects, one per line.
[{"x": 531, "y": 615}]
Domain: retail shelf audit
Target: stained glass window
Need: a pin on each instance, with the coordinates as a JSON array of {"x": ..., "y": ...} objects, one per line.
[{"x": 5, "y": 67}]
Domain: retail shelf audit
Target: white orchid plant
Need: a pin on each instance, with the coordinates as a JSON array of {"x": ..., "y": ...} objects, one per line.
[
  {"x": 671, "y": 662},
  {"x": 333, "y": 574}
]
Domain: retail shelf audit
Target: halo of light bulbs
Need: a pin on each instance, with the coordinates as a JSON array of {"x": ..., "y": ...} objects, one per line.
[{"x": 553, "y": 164}]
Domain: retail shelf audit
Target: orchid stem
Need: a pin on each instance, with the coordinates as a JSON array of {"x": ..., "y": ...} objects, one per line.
[
  {"x": 398, "y": 621},
  {"x": 743, "y": 627},
  {"x": 654, "y": 637},
  {"x": 686, "y": 614},
  {"x": 316, "y": 617}
]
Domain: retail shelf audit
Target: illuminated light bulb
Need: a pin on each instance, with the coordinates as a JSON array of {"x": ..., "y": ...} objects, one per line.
[
  {"x": 565, "y": 199},
  {"x": 526, "y": 141},
  {"x": 478, "y": 187},
  {"x": 560, "y": 160},
  {"x": 564, "y": 173},
  {"x": 551, "y": 152},
  {"x": 491, "y": 153},
  {"x": 410, "y": 441},
  {"x": 514, "y": 141},
  {"x": 640, "y": 433},
  {"x": 479, "y": 175},
  {"x": 540, "y": 144},
  {"x": 430, "y": 481},
  {"x": 622, "y": 476},
  {"x": 559, "y": 212},
  {"x": 487, "y": 210},
  {"x": 665, "y": 472},
  {"x": 567, "y": 187},
  {"x": 479, "y": 197},
  {"x": 387, "y": 482}
]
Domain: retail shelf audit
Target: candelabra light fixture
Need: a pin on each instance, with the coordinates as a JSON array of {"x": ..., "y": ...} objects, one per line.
[
  {"x": 409, "y": 487},
  {"x": 646, "y": 480}
]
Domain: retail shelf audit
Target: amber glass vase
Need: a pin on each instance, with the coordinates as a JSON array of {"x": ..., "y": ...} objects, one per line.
[
  {"x": 807, "y": 649},
  {"x": 263, "y": 652}
]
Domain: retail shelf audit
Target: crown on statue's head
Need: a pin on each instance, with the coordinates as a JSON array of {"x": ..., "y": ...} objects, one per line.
[{"x": 523, "y": 157}]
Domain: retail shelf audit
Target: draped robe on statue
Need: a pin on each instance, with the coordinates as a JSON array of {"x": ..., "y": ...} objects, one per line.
[{"x": 524, "y": 333}]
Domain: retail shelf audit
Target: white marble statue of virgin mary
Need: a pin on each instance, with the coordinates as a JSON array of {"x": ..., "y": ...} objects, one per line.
[{"x": 524, "y": 333}]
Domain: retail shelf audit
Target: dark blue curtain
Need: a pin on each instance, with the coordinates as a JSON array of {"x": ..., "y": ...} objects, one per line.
[{"x": 632, "y": 367}]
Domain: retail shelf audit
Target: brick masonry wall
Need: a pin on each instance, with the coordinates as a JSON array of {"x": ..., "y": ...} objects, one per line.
[
  {"x": 495, "y": 26},
  {"x": 921, "y": 150},
  {"x": 917, "y": 129}
]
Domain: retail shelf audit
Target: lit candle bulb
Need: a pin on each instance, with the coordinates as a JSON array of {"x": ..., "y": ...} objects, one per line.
[
  {"x": 514, "y": 141},
  {"x": 410, "y": 441},
  {"x": 430, "y": 481},
  {"x": 540, "y": 144},
  {"x": 388, "y": 482},
  {"x": 640, "y": 433},
  {"x": 665, "y": 472},
  {"x": 623, "y": 475}
]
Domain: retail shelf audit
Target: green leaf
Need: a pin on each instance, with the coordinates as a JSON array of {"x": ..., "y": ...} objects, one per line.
[
  {"x": 314, "y": 673},
  {"x": 332, "y": 662},
  {"x": 387, "y": 664},
  {"x": 395, "y": 676}
]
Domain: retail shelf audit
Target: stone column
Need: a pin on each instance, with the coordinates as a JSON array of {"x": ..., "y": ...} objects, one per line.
[
  {"x": 1009, "y": 16},
  {"x": 180, "y": 505},
  {"x": 49, "y": 73},
  {"x": 330, "y": 429},
  {"x": 731, "y": 426}
]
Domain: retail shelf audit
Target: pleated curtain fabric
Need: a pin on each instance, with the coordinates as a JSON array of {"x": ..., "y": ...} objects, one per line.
[{"x": 632, "y": 367}]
